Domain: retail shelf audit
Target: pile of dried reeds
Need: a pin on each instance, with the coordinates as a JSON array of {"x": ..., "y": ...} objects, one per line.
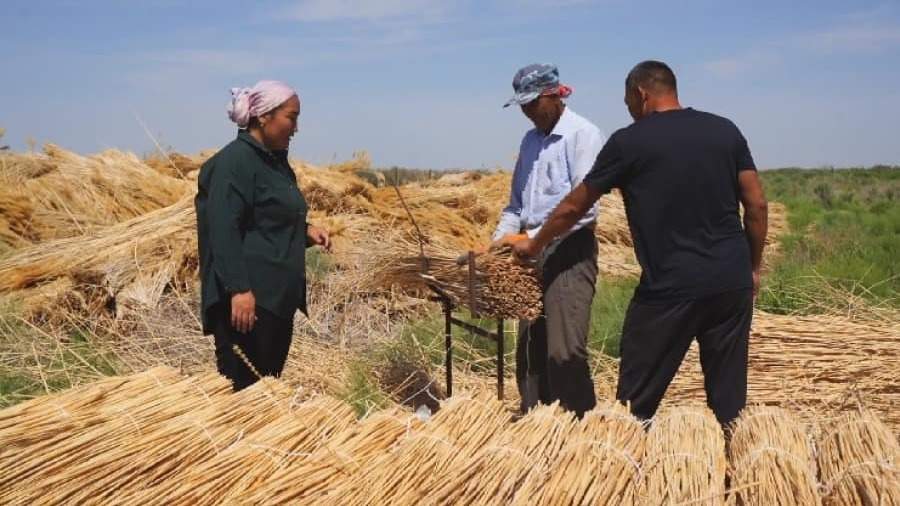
[
  {"x": 416, "y": 466},
  {"x": 685, "y": 459},
  {"x": 497, "y": 472},
  {"x": 811, "y": 363},
  {"x": 62, "y": 194},
  {"x": 771, "y": 460},
  {"x": 599, "y": 464},
  {"x": 137, "y": 406},
  {"x": 345, "y": 455},
  {"x": 127, "y": 466},
  {"x": 290, "y": 438},
  {"x": 131, "y": 262},
  {"x": 859, "y": 462}
]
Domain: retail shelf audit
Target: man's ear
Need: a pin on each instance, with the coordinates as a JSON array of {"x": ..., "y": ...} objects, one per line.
[{"x": 645, "y": 95}]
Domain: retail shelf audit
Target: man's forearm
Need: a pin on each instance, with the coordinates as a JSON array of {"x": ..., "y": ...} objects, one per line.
[
  {"x": 575, "y": 205},
  {"x": 756, "y": 225}
]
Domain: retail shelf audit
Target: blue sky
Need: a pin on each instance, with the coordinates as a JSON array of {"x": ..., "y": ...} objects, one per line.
[{"x": 420, "y": 82}]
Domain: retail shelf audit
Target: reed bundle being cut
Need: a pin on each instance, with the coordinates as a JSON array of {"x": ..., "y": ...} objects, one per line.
[
  {"x": 685, "y": 459},
  {"x": 859, "y": 462},
  {"x": 499, "y": 288},
  {"x": 771, "y": 460}
]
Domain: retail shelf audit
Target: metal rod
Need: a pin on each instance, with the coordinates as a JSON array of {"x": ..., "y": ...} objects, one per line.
[
  {"x": 500, "y": 352},
  {"x": 473, "y": 301},
  {"x": 448, "y": 347},
  {"x": 474, "y": 329}
]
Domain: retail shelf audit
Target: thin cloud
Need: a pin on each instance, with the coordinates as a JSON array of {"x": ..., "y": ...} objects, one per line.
[{"x": 367, "y": 10}]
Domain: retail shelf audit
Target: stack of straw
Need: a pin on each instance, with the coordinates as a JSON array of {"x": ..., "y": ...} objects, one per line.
[
  {"x": 810, "y": 363},
  {"x": 72, "y": 194},
  {"x": 771, "y": 460},
  {"x": 599, "y": 463},
  {"x": 499, "y": 469},
  {"x": 48, "y": 472},
  {"x": 685, "y": 459},
  {"x": 285, "y": 441},
  {"x": 859, "y": 462},
  {"x": 168, "y": 448},
  {"x": 418, "y": 465},
  {"x": 348, "y": 453}
]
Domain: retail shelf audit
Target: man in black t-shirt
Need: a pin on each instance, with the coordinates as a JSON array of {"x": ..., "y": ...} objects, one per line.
[{"x": 682, "y": 174}]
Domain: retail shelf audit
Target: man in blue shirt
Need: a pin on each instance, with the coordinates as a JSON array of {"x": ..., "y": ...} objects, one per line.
[{"x": 554, "y": 157}]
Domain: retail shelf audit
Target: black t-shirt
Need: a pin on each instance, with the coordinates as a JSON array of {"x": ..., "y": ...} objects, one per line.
[{"x": 678, "y": 173}]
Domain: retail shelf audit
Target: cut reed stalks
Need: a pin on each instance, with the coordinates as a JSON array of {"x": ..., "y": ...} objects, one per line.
[
  {"x": 599, "y": 464},
  {"x": 859, "y": 462},
  {"x": 685, "y": 459},
  {"x": 771, "y": 460}
]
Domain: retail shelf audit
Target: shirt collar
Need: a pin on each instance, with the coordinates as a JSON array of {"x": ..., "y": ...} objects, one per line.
[{"x": 566, "y": 123}]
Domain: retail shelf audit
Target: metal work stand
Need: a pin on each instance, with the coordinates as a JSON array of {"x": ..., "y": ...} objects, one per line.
[{"x": 450, "y": 321}]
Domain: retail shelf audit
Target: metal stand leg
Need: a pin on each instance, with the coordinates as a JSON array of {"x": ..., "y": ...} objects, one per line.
[
  {"x": 448, "y": 347},
  {"x": 500, "y": 353}
]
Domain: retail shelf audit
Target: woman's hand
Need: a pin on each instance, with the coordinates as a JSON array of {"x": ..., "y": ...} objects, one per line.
[
  {"x": 243, "y": 311},
  {"x": 318, "y": 236}
]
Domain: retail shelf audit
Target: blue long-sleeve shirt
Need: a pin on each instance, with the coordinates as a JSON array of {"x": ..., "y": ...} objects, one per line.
[{"x": 548, "y": 168}]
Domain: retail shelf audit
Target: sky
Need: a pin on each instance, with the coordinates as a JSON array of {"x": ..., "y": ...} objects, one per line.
[{"x": 420, "y": 83}]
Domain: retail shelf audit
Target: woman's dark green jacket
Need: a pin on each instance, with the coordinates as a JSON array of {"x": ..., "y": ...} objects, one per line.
[{"x": 251, "y": 227}]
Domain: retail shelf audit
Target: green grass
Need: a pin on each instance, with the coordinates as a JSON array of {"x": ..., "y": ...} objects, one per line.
[
  {"x": 845, "y": 237},
  {"x": 318, "y": 264},
  {"x": 35, "y": 363},
  {"x": 608, "y": 313}
]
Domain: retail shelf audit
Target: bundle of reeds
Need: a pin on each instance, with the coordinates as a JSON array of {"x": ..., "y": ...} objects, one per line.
[
  {"x": 130, "y": 465},
  {"x": 416, "y": 466},
  {"x": 141, "y": 410},
  {"x": 859, "y": 462},
  {"x": 352, "y": 451},
  {"x": 286, "y": 441},
  {"x": 498, "y": 470},
  {"x": 503, "y": 288},
  {"x": 43, "y": 418},
  {"x": 599, "y": 464},
  {"x": 771, "y": 460},
  {"x": 795, "y": 361},
  {"x": 685, "y": 459}
]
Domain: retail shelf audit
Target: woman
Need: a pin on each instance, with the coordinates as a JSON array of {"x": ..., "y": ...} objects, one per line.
[{"x": 252, "y": 235}]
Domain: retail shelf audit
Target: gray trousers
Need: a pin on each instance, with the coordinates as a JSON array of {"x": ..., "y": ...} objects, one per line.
[{"x": 551, "y": 353}]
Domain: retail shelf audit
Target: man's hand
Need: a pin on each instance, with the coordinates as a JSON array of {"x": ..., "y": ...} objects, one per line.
[
  {"x": 509, "y": 240},
  {"x": 755, "y": 284},
  {"x": 243, "y": 311},
  {"x": 525, "y": 250},
  {"x": 318, "y": 236}
]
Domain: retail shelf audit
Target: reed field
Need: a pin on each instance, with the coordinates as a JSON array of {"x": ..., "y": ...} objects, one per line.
[{"x": 109, "y": 393}]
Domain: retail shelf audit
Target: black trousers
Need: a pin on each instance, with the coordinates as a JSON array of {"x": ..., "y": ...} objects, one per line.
[
  {"x": 551, "y": 353},
  {"x": 266, "y": 346},
  {"x": 655, "y": 338}
]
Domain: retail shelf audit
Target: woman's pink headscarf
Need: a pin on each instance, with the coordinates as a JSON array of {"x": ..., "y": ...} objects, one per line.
[{"x": 253, "y": 102}]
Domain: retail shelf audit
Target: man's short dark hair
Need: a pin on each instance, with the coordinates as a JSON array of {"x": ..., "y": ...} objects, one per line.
[{"x": 653, "y": 76}]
